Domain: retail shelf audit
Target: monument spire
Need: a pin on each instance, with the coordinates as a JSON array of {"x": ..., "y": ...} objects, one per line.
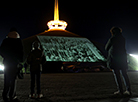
[
  {"x": 56, "y": 11},
  {"x": 56, "y": 24}
]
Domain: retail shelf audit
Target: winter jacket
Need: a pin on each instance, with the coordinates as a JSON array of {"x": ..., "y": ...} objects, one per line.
[
  {"x": 117, "y": 57},
  {"x": 36, "y": 58},
  {"x": 11, "y": 50}
]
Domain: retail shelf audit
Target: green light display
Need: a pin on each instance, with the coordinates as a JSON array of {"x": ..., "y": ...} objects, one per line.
[{"x": 69, "y": 49}]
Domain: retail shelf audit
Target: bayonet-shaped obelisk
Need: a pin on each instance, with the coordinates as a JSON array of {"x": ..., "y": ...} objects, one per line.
[
  {"x": 56, "y": 11},
  {"x": 56, "y": 24}
]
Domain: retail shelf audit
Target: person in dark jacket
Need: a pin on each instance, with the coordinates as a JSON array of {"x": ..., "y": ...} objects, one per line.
[
  {"x": 11, "y": 50},
  {"x": 117, "y": 60},
  {"x": 36, "y": 58}
]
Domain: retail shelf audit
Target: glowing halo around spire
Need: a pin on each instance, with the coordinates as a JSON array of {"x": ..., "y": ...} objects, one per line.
[{"x": 56, "y": 23}]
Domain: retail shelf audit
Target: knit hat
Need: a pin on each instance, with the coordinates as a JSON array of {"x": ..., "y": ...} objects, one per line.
[{"x": 13, "y": 34}]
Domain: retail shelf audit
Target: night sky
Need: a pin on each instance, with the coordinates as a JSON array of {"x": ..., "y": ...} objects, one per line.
[{"x": 88, "y": 18}]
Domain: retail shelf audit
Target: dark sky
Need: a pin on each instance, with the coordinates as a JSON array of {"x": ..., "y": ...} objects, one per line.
[{"x": 88, "y": 18}]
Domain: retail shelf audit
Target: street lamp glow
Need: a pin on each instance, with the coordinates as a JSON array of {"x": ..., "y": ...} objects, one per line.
[
  {"x": 2, "y": 67},
  {"x": 135, "y": 56}
]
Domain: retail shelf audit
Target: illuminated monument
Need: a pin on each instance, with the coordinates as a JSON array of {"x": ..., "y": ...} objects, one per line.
[
  {"x": 59, "y": 44},
  {"x": 56, "y": 24}
]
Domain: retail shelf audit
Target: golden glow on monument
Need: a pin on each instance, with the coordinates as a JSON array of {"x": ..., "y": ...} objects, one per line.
[
  {"x": 56, "y": 23},
  {"x": 56, "y": 11}
]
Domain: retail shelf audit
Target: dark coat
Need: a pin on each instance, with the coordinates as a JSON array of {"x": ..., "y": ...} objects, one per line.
[
  {"x": 117, "y": 57},
  {"x": 11, "y": 50},
  {"x": 36, "y": 58}
]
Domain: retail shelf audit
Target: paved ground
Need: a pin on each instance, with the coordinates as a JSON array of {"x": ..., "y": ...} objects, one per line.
[{"x": 75, "y": 87}]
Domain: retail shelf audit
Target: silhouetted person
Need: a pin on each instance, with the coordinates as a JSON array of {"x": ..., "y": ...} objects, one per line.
[
  {"x": 117, "y": 60},
  {"x": 36, "y": 58},
  {"x": 11, "y": 50}
]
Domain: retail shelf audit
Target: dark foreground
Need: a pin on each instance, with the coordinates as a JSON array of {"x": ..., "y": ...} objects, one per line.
[{"x": 75, "y": 87}]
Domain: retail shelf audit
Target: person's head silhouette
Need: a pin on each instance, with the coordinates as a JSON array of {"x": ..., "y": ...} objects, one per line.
[{"x": 116, "y": 31}]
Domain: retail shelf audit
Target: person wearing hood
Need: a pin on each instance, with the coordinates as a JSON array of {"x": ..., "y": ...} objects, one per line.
[
  {"x": 117, "y": 60},
  {"x": 36, "y": 59},
  {"x": 11, "y": 50}
]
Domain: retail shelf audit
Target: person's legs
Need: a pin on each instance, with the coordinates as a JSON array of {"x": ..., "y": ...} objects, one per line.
[
  {"x": 12, "y": 92},
  {"x": 6, "y": 86},
  {"x": 118, "y": 80},
  {"x": 39, "y": 95},
  {"x": 32, "y": 83},
  {"x": 126, "y": 79},
  {"x": 38, "y": 75},
  {"x": 9, "y": 90}
]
